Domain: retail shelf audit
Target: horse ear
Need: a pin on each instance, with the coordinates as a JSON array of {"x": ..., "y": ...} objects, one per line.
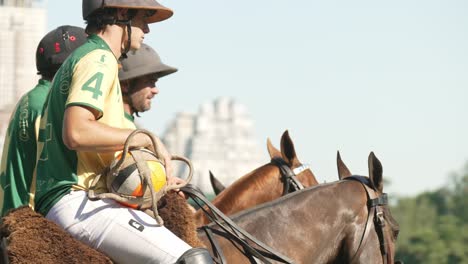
[
  {"x": 216, "y": 184},
  {"x": 343, "y": 171},
  {"x": 288, "y": 151},
  {"x": 274, "y": 152},
  {"x": 375, "y": 172}
]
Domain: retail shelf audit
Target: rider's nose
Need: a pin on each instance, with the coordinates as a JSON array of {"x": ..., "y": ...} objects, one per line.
[{"x": 146, "y": 29}]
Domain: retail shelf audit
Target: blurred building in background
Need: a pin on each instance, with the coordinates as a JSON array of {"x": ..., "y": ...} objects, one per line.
[
  {"x": 220, "y": 138},
  {"x": 23, "y": 25}
]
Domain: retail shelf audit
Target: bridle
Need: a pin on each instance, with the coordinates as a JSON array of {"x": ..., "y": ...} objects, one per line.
[
  {"x": 288, "y": 175},
  {"x": 376, "y": 215}
]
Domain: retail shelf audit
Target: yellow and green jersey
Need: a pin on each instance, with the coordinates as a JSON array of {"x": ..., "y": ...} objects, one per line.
[
  {"x": 88, "y": 78},
  {"x": 19, "y": 150},
  {"x": 129, "y": 119}
]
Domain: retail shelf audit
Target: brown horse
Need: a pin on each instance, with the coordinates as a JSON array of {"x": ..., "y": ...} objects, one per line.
[
  {"x": 262, "y": 185},
  {"x": 340, "y": 222}
]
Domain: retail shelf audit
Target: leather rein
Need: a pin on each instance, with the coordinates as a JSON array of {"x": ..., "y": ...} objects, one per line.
[
  {"x": 252, "y": 248},
  {"x": 375, "y": 215}
]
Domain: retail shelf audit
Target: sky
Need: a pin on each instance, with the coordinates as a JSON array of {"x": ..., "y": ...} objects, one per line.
[{"x": 354, "y": 76}]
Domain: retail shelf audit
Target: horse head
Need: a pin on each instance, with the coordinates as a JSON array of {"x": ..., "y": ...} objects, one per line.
[
  {"x": 263, "y": 184},
  {"x": 380, "y": 230},
  {"x": 288, "y": 154}
]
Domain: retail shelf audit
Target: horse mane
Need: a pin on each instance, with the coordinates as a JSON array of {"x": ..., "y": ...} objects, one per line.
[{"x": 179, "y": 219}]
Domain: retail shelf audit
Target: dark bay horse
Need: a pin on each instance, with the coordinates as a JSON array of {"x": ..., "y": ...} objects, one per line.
[
  {"x": 263, "y": 184},
  {"x": 327, "y": 223}
]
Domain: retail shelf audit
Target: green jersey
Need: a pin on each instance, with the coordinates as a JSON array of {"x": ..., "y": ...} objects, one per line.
[
  {"x": 88, "y": 78},
  {"x": 19, "y": 150}
]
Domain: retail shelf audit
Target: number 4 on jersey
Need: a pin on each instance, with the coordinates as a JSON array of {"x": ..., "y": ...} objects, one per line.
[{"x": 94, "y": 85}]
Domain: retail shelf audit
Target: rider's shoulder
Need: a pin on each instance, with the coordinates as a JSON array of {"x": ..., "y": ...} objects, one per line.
[{"x": 99, "y": 58}]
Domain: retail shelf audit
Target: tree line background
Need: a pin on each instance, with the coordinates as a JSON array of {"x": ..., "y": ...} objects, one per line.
[{"x": 434, "y": 225}]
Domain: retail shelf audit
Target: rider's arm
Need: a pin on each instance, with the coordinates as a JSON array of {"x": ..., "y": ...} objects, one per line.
[
  {"x": 82, "y": 132},
  {"x": 93, "y": 89}
]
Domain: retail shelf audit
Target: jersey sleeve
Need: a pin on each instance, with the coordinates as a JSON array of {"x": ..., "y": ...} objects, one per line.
[{"x": 93, "y": 78}]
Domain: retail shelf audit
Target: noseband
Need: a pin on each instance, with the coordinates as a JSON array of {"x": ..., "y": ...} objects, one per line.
[
  {"x": 288, "y": 175},
  {"x": 374, "y": 206}
]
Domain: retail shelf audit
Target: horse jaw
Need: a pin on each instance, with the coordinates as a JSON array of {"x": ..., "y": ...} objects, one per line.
[
  {"x": 375, "y": 172},
  {"x": 343, "y": 170}
]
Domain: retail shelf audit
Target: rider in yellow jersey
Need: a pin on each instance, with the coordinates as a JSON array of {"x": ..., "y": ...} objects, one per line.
[{"x": 83, "y": 126}]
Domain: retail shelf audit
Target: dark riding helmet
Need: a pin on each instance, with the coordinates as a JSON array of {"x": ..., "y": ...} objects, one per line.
[
  {"x": 157, "y": 12},
  {"x": 56, "y": 46},
  {"x": 143, "y": 62}
]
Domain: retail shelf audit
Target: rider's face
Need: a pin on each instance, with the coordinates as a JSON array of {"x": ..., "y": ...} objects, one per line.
[
  {"x": 143, "y": 90},
  {"x": 139, "y": 29}
]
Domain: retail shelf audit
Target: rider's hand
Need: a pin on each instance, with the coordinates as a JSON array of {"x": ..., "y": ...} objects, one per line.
[
  {"x": 176, "y": 181},
  {"x": 140, "y": 141}
]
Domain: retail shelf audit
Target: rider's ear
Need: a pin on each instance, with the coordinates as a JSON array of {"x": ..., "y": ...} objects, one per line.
[
  {"x": 125, "y": 86},
  {"x": 343, "y": 171},
  {"x": 375, "y": 172},
  {"x": 288, "y": 151}
]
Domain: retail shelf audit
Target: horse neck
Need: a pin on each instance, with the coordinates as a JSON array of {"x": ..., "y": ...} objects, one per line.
[
  {"x": 259, "y": 186},
  {"x": 307, "y": 178},
  {"x": 322, "y": 217}
]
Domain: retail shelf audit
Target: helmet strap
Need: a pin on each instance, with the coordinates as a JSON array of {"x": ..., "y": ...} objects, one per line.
[{"x": 128, "y": 24}]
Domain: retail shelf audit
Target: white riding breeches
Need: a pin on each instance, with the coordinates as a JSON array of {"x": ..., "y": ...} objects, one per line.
[{"x": 124, "y": 234}]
